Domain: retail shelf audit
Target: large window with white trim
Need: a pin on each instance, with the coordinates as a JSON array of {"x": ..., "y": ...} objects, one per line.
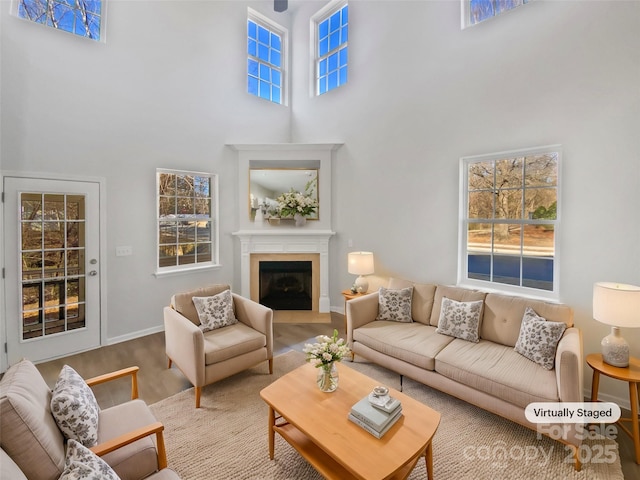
[
  {"x": 187, "y": 221},
  {"x": 510, "y": 220},
  {"x": 330, "y": 27},
  {"x": 84, "y": 18},
  {"x": 266, "y": 58}
]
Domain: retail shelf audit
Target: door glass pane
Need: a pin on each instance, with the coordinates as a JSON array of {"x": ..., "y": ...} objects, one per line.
[
  {"x": 53, "y": 207},
  {"x": 52, "y": 267}
]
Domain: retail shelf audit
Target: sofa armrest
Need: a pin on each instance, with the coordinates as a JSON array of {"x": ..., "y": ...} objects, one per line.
[
  {"x": 256, "y": 316},
  {"x": 360, "y": 311},
  {"x": 130, "y": 437},
  {"x": 133, "y": 371},
  {"x": 569, "y": 368},
  {"x": 184, "y": 344}
]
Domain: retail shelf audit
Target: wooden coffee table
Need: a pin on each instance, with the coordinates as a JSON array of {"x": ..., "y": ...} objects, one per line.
[{"x": 316, "y": 425}]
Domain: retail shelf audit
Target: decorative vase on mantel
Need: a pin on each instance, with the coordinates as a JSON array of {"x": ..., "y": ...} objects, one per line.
[
  {"x": 300, "y": 219},
  {"x": 328, "y": 377}
]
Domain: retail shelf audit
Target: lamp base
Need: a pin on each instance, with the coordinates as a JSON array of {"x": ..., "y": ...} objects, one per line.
[
  {"x": 361, "y": 284},
  {"x": 615, "y": 349}
]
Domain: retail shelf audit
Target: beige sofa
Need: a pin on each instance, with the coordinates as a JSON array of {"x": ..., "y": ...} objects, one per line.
[{"x": 489, "y": 374}]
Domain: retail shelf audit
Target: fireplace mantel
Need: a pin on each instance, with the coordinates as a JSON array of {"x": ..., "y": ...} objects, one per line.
[
  {"x": 263, "y": 238},
  {"x": 287, "y": 241}
]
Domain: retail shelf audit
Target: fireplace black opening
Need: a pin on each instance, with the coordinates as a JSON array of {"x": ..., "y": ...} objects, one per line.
[{"x": 286, "y": 285}]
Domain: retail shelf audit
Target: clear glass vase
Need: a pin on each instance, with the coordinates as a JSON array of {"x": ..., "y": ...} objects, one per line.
[{"x": 328, "y": 377}]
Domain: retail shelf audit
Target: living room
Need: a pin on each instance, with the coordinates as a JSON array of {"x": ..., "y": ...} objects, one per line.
[{"x": 167, "y": 89}]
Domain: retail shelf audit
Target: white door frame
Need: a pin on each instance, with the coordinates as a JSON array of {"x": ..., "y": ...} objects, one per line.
[{"x": 102, "y": 271}]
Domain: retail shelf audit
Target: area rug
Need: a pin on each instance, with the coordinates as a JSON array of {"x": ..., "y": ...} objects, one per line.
[{"x": 227, "y": 437}]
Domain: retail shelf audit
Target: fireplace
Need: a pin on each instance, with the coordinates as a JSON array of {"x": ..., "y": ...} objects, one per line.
[
  {"x": 286, "y": 285},
  {"x": 286, "y": 281}
]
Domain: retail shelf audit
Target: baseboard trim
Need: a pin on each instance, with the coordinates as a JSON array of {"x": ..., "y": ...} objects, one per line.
[{"x": 134, "y": 335}]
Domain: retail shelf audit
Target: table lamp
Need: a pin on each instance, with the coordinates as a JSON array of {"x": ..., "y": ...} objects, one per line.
[
  {"x": 361, "y": 263},
  {"x": 618, "y": 305}
]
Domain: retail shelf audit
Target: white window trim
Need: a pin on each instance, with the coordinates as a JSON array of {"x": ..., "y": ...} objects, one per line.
[
  {"x": 269, "y": 24},
  {"x": 215, "y": 236},
  {"x": 463, "y": 280},
  {"x": 315, "y": 21}
]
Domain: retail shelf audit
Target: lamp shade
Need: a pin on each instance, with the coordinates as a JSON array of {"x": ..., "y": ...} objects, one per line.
[
  {"x": 360, "y": 263},
  {"x": 616, "y": 304}
]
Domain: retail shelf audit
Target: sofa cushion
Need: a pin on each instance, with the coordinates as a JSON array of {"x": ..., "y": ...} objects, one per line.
[
  {"x": 413, "y": 343},
  {"x": 81, "y": 464},
  {"x": 539, "y": 339},
  {"x": 460, "y": 319},
  {"x": 183, "y": 304},
  {"x": 421, "y": 301},
  {"x": 215, "y": 311},
  {"x": 497, "y": 370},
  {"x": 232, "y": 341},
  {"x": 135, "y": 460},
  {"x": 395, "y": 304},
  {"x": 75, "y": 408},
  {"x": 458, "y": 294},
  {"x": 503, "y": 315},
  {"x": 28, "y": 432}
]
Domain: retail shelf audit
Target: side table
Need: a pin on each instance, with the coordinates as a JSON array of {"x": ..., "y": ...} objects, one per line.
[
  {"x": 348, "y": 295},
  {"x": 630, "y": 374}
]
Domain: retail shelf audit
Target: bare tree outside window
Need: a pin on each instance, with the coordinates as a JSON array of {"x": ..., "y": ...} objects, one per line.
[
  {"x": 80, "y": 17},
  {"x": 511, "y": 218}
]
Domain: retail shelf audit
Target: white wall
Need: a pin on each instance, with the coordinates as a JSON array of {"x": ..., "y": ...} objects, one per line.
[
  {"x": 168, "y": 90},
  {"x": 422, "y": 93}
]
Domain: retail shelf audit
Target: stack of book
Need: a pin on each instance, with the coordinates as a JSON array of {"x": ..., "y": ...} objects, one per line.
[{"x": 374, "y": 416}]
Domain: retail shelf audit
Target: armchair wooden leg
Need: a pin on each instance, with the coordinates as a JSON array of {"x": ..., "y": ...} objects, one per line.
[
  {"x": 170, "y": 362},
  {"x": 270, "y": 366},
  {"x": 198, "y": 392},
  {"x": 162, "y": 451}
]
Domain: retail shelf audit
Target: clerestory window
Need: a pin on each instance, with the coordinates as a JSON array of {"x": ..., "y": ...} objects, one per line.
[
  {"x": 476, "y": 11},
  {"x": 266, "y": 58},
  {"x": 330, "y": 27},
  {"x": 84, "y": 18},
  {"x": 509, "y": 221}
]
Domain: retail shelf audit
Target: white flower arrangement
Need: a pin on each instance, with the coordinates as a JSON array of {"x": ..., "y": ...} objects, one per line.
[
  {"x": 327, "y": 350},
  {"x": 294, "y": 202}
]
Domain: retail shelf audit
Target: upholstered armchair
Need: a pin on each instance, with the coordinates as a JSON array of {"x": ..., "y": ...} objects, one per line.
[
  {"x": 205, "y": 357},
  {"x": 35, "y": 423}
]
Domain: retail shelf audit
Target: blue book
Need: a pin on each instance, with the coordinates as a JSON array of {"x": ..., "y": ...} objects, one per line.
[
  {"x": 372, "y": 416},
  {"x": 378, "y": 434}
]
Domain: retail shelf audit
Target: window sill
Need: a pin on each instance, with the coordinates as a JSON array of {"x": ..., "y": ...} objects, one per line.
[{"x": 185, "y": 271}]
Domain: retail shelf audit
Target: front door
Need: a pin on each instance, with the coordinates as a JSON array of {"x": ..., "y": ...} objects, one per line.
[{"x": 52, "y": 280}]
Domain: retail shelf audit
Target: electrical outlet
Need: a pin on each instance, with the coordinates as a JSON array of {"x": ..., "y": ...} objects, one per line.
[
  {"x": 124, "y": 251},
  {"x": 350, "y": 243}
]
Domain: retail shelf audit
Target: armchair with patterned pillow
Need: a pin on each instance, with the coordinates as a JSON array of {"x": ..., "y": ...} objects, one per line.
[
  {"x": 212, "y": 333},
  {"x": 61, "y": 433}
]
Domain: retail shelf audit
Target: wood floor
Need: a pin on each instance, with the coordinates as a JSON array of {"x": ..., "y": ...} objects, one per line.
[{"x": 156, "y": 381}]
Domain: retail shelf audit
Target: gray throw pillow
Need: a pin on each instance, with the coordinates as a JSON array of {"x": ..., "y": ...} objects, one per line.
[
  {"x": 460, "y": 319},
  {"x": 395, "y": 304},
  {"x": 75, "y": 408},
  {"x": 82, "y": 464},
  {"x": 538, "y": 338},
  {"x": 216, "y": 311}
]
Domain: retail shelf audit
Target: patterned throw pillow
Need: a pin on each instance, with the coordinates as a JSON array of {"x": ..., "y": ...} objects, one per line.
[
  {"x": 215, "y": 312},
  {"x": 395, "y": 305},
  {"x": 538, "y": 338},
  {"x": 82, "y": 464},
  {"x": 75, "y": 408},
  {"x": 460, "y": 319}
]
